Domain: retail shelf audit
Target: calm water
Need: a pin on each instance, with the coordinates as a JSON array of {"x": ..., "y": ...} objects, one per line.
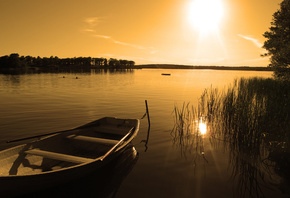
[{"x": 33, "y": 104}]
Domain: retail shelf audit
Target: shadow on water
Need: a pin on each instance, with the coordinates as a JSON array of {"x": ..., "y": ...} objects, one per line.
[
  {"x": 103, "y": 183},
  {"x": 251, "y": 119}
]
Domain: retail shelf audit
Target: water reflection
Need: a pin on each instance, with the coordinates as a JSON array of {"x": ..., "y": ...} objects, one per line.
[
  {"x": 146, "y": 141},
  {"x": 29, "y": 78},
  {"x": 188, "y": 133},
  {"x": 245, "y": 119},
  {"x": 13, "y": 80},
  {"x": 202, "y": 127},
  {"x": 70, "y": 70}
]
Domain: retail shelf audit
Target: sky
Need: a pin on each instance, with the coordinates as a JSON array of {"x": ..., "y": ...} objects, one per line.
[{"x": 186, "y": 32}]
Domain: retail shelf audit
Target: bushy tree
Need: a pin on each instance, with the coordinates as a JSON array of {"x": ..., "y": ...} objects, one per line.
[
  {"x": 278, "y": 41},
  {"x": 14, "y": 60}
]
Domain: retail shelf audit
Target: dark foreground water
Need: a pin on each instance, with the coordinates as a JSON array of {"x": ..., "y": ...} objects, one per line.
[{"x": 33, "y": 104}]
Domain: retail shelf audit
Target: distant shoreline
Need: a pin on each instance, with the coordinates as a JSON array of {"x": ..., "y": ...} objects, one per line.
[
  {"x": 57, "y": 69},
  {"x": 167, "y": 66}
]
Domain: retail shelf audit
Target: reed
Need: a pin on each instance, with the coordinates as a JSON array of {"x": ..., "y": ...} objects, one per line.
[
  {"x": 251, "y": 117},
  {"x": 186, "y": 133}
]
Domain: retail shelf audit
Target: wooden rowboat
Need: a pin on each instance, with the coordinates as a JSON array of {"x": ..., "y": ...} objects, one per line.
[{"x": 64, "y": 156}]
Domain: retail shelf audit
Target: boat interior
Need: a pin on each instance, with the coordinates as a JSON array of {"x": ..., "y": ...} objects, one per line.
[{"x": 84, "y": 144}]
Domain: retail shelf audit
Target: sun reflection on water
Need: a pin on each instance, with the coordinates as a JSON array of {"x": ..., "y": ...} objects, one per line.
[{"x": 202, "y": 128}]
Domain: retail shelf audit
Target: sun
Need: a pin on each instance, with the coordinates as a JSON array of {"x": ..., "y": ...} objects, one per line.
[{"x": 205, "y": 15}]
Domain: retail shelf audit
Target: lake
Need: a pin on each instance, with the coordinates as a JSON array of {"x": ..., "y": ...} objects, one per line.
[{"x": 33, "y": 104}]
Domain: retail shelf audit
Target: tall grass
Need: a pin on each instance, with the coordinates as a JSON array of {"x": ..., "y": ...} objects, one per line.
[
  {"x": 184, "y": 128},
  {"x": 251, "y": 117}
]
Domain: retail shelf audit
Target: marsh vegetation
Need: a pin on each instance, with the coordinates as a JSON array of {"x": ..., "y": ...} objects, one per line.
[{"x": 251, "y": 118}]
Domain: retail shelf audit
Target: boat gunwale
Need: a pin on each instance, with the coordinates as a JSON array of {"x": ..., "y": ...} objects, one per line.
[{"x": 94, "y": 161}]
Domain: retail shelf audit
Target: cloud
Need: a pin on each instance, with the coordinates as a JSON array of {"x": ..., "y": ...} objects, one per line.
[
  {"x": 255, "y": 41},
  {"x": 90, "y": 24},
  {"x": 151, "y": 49},
  {"x": 129, "y": 44},
  {"x": 88, "y": 30},
  {"x": 92, "y": 21},
  {"x": 119, "y": 42},
  {"x": 102, "y": 36},
  {"x": 139, "y": 60}
]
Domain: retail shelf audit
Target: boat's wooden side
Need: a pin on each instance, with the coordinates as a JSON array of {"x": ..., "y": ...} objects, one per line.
[{"x": 63, "y": 157}]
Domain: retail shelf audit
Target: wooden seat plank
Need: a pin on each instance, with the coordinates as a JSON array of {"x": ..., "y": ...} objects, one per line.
[
  {"x": 58, "y": 156},
  {"x": 92, "y": 139}
]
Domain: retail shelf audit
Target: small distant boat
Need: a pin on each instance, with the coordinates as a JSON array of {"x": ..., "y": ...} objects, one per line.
[
  {"x": 165, "y": 74},
  {"x": 64, "y": 156}
]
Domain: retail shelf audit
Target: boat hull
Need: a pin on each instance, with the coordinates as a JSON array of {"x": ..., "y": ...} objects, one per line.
[
  {"x": 18, "y": 182},
  {"x": 14, "y": 186}
]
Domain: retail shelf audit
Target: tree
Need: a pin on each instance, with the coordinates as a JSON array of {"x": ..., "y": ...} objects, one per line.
[
  {"x": 278, "y": 41},
  {"x": 4, "y": 61},
  {"x": 131, "y": 63},
  {"x": 38, "y": 61},
  {"x": 14, "y": 60},
  {"x": 114, "y": 63},
  {"x": 29, "y": 60}
]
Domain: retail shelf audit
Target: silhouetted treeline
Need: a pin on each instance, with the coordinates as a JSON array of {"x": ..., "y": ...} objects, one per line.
[{"x": 16, "y": 61}]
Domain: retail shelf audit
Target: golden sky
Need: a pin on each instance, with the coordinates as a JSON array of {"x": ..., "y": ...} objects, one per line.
[{"x": 191, "y": 32}]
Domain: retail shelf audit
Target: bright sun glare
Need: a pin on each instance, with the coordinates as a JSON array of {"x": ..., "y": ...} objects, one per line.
[
  {"x": 205, "y": 15},
  {"x": 202, "y": 128}
]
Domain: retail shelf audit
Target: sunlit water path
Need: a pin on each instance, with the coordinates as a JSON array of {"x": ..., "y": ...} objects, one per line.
[{"x": 33, "y": 104}]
